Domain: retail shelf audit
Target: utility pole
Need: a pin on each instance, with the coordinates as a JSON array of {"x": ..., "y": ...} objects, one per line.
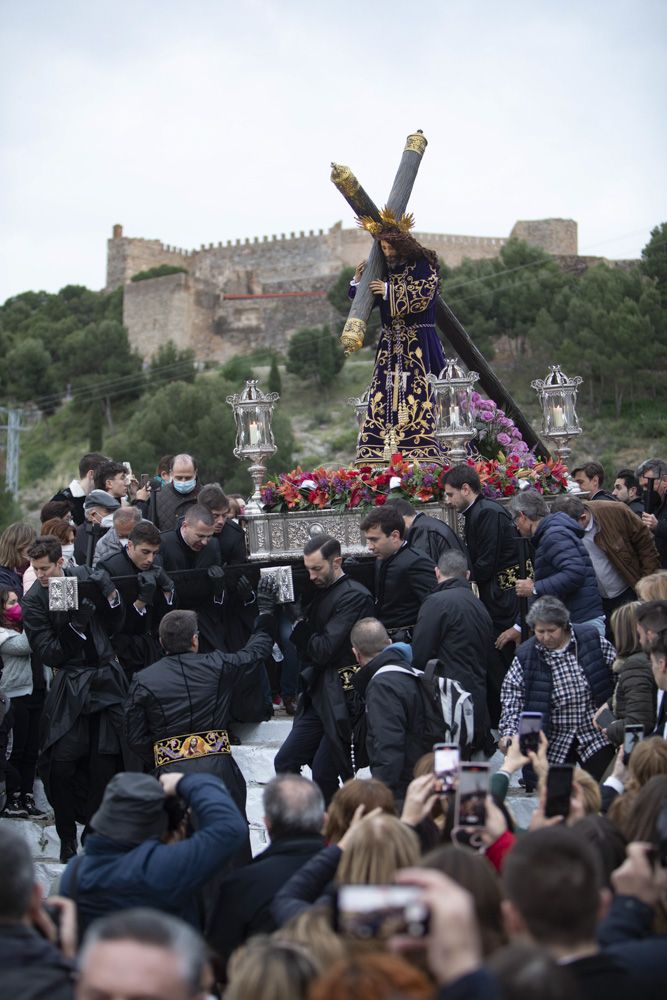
[{"x": 13, "y": 428}]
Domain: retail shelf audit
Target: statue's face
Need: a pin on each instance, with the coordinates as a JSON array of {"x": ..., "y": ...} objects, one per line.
[{"x": 388, "y": 250}]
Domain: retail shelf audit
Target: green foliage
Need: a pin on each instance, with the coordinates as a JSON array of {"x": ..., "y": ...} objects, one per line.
[
  {"x": 237, "y": 370},
  {"x": 10, "y": 512},
  {"x": 502, "y": 297},
  {"x": 654, "y": 259},
  {"x": 95, "y": 428},
  {"x": 38, "y": 332},
  {"x": 171, "y": 364},
  {"x": 37, "y": 465},
  {"x": 158, "y": 272},
  {"x": 315, "y": 355},
  {"x": 604, "y": 329},
  {"x": 101, "y": 365},
  {"x": 274, "y": 383},
  {"x": 194, "y": 418},
  {"x": 27, "y": 372}
]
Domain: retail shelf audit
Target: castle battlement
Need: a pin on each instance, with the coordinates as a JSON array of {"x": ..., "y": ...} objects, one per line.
[{"x": 235, "y": 295}]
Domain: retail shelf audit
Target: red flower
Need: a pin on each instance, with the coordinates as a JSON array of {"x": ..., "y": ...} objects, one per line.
[{"x": 380, "y": 499}]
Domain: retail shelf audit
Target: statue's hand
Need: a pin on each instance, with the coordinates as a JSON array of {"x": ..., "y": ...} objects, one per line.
[{"x": 361, "y": 267}]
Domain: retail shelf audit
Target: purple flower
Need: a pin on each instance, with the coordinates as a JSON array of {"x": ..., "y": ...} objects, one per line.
[
  {"x": 503, "y": 439},
  {"x": 521, "y": 447},
  {"x": 428, "y": 480},
  {"x": 516, "y": 433},
  {"x": 486, "y": 415},
  {"x": 487, "y": 404},
  {"x": 505, "y": 422},
  {"x": 475, "y": 397}
]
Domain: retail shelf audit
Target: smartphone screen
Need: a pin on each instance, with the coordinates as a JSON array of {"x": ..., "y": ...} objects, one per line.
[
  {"x": 530, "y": 725},
  {"x": 633, "y": 735},
  {"x": 447, "y": 757},
  {"x": 559, "y": 790},
  {"x": 144, "y": 480},
  {"x": 380, "y": 911},
  {"x": 470, "y": 810}
]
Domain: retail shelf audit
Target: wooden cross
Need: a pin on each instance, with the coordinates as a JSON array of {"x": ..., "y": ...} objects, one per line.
[{"x": 355, "y": 326}]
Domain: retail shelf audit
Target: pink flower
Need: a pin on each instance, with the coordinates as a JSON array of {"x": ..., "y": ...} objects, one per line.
[
  {"x": 521, "y": 447},
  {"x": 504, "y": 439},
  {"x": 515, "y": 432},
  {"x": 475, "y": 397},
  {"x": 486, "y": 415},
  {"x": 505, "y": 422},
  {"x": 488, "y": 404}
]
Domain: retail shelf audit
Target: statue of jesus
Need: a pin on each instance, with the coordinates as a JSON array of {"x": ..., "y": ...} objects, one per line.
[{"x": 401, "y": 414}]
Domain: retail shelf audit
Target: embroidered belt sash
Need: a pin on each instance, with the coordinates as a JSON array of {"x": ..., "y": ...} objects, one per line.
[
  {"x": 346, "y": 674},
  {"x": 215, "y": 741},
  {"x": 507, "y": 578}
]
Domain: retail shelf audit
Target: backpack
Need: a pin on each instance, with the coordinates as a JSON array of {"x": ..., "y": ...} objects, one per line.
[{"x": 449, "y": 715}]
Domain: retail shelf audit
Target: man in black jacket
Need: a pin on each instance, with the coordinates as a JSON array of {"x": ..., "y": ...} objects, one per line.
[
  {"x": 493, "y": 549},
  {"x": 403, "y": 576},
  {"x": 30, "y": 966},
  {"x": 177, "y": 710},
  {"x": 147, "y": 594},
  {"x": 80, "y": 736},
  {"x": 167, "y": 505},
  {"x": 394, "y": 707},
  {"x": 294, "y": 817},
  {"x": 191, "y": 555},
  {"x": 323, "y": 730},
  {"x": 454, "y": 626},
  {"x": 427, "y": 534}
]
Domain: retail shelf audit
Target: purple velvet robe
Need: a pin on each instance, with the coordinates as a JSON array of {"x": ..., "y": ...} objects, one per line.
[{"x": 401, "y": 411}]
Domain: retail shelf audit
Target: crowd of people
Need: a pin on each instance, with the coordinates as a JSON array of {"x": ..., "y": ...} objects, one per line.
[{"x": 135, "y": 635}]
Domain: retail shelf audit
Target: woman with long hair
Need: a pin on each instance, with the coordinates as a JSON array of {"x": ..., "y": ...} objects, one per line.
[
  {"x": 634, "y": 698},
  {"x": 24, "y": 714},
  {"x": 14, "y": 543}
]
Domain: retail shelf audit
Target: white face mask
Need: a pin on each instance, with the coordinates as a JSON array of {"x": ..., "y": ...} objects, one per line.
[
  {"x": 107, "y": 521},
  {"x": 68, "y": 551}
]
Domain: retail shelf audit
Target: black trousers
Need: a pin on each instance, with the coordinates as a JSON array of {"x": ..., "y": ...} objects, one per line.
[
  {"x": 78, "y": 775},
  {"x": 22, "y": 764},
  {"x": 307, "y": 743}
]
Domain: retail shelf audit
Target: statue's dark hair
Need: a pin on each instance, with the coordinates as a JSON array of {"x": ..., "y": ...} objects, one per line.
[{"x": 408, "y": 249}]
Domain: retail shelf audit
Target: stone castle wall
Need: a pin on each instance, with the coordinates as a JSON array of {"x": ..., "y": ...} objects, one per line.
[{"x": 248, "y": 294}]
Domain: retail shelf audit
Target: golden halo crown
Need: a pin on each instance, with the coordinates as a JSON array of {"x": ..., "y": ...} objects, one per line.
[{"x": 388, "y": 220}]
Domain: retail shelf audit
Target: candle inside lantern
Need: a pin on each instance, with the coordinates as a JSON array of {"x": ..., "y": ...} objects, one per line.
[
  {"x": 253, "y": 428},
  {"x": 558, "y": 417},
  {"x": 454, "y": 416}
]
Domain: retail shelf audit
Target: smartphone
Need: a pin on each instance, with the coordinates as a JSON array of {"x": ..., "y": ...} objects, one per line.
[
  {"x": 559, "y": 790},
  {"x": 605, "y": 718},
  {"x": 470, "y": 807},
  {"x": 633, "y": 735},
  {"x": 128, "y": 469},
  {"x": 447, "y": 758},
  {"x": 530, "y": 726},
  {"x": 366, "y": 912},
  {"x": 144, "y": 480}
]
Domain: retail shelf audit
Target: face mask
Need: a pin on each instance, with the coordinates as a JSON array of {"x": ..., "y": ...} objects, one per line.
[
  {"x": 68, "y": 551},
  {"x": 107, "y": 521},
  {"x": 186, "y": 487},
  {"x": 15, "y": 613}
]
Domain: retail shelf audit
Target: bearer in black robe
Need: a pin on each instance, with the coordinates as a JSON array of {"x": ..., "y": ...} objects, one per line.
[
  {"x": 81, "y": 725},
  {"x": 147, "y": 594}
]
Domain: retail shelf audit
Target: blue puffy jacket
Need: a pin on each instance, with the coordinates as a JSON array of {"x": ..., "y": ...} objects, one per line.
[{"x": 563, "y": 567}]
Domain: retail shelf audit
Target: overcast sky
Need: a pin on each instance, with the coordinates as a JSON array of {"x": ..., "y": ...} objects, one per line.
[{"x": 212, "y": 120}]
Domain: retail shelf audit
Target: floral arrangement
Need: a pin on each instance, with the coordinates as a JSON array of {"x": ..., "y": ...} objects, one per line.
[
  {"x": 497, "y": 434},
  {"x": 346, "y": 489},
  {"x": 500, "y": 456}
]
